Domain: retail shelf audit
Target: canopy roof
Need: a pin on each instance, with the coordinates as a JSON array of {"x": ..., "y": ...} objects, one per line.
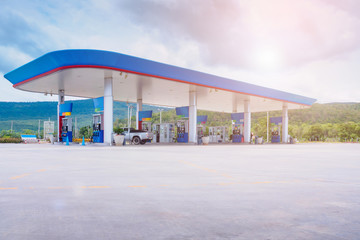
[{"x": 80, "y": 73}]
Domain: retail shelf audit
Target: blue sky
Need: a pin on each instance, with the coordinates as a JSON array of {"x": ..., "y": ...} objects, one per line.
[{"x": 309, "y": 47}]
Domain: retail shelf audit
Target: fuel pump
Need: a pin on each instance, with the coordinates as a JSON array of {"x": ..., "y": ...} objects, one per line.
[
  {"x": 211, "y": 134},
  {"x": 237, "y": 133},
  {"x": 200, "y": 130},
  {"x": 164, "y": 132},
  {"x": 182, "y": 127},
  {"x": 275, "y": 134},
  {"x": 237, "y": 127},
  {"x": 66, "y": 129},
  {"x": 167, "y": 132},
  {"x": 65, "y": 122},
  {"x": 98, "y": 128},
  {"x": 218, "y": 134},
  {"x": 156, "y": 132},
  {"x": 275, "y": 129}
]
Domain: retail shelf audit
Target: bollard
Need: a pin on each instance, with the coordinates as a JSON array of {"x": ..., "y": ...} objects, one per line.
[
  {"x": 67, "y": 141},
  {"x": 83, "y": 141}
]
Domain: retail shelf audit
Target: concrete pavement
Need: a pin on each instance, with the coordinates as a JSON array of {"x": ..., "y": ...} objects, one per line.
[{"x": 302, "y": 191}]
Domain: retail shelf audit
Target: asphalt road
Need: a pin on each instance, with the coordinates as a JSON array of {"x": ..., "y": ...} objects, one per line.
[{"x": 302, "y": 191}]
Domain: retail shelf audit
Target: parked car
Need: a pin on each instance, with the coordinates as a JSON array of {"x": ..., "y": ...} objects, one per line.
[{"x": 137, "y": 136}]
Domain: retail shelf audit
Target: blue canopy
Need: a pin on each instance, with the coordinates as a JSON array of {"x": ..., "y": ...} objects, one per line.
[
  {"x": 81, "y": 73},
  {"x": 59, "y": 60}
]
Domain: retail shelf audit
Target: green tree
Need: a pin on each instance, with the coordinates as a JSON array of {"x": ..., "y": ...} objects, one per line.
[
  {"x": 9, "y": 134},
  {"x": 29, "y": 132},
  {"x": 348, "y": 131},
  {"x": 259, "y": 127},
  {"x": 86, "y": 132},
  {"x": 315, "y": 133}
]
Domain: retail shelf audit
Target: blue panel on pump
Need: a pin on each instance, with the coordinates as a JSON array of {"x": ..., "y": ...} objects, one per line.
[
  {"x": 99, "y": 104},
  {"x": 202, "y": 119},
  {"x": 65, "y": 109},
  {"x": 237, "y": 116},
  {"x": 276, "y": 120},
  {"x": 145, "y": 115},
  {"x": 182, "y": 111}
]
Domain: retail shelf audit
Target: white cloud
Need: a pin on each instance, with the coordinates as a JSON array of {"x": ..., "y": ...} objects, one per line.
[
  {"x": 14, "y": 57},
  {"x": 10, "y": 94},
  {"x": 233, "y": 32},
  {"x": 305, "y": 47}
]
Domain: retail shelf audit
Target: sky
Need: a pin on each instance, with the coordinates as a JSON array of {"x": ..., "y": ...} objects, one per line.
[{"x": 307, "y": 47}]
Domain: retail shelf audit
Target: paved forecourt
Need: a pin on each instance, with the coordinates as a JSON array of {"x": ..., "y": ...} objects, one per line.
[{"x": 302, "y": 191}]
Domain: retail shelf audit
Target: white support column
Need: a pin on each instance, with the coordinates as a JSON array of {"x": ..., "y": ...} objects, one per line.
[
  {"x": 285, "y": 123},
  {"x": 192, "y": 115},
  {"x": 108, "y": 110},
  {"x": 61, "y": 100},
  {"x": 247, "y": 122},
  {"x": 267, "y": 127},
  {"x": 138, "y": 109}
]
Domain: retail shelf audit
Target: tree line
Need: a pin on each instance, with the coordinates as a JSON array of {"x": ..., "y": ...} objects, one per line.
[{"x": 341, "y": 132}]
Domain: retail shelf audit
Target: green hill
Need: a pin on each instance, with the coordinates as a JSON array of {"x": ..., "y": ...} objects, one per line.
[{"x": 327, "y": 113}]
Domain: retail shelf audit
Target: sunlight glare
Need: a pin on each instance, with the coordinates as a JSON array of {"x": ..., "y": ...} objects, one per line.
[{"x": 268, "y": 59}]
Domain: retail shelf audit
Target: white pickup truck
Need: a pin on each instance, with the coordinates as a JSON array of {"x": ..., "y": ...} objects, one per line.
[{"x": 137, "y": 136}]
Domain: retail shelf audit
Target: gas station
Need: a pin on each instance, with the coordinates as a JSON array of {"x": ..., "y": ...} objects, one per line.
[
  {"x": 112, "y": 76},
  {"x": 176, "y": 191}
]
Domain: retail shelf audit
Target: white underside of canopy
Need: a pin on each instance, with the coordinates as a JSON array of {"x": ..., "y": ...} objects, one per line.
[{"x": 128, "y": 87}]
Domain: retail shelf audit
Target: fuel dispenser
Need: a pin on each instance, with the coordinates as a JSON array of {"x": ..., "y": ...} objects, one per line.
[
  {"x": 237, "y": 133},
  {"x": 145, "y": 120},
  {"x": 237, "y": 127},
  {"x": 98, "y": 128},
  {"x": 167, "y": 132},
  {"x": 156, "y": 132},
  {"x": 218, "y": 134},
  {"x": 66, "y": 129},
  {"x": 65, "y": 122},
  {"x": 275, "y": 129},
  {"x": 200, "y": 128},
  {"x": 182, "y": 127},
  {"x": 164, "y": 132}
]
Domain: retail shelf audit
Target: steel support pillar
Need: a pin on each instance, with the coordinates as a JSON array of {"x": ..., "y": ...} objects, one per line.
[
  {"x": 285, "y": 123},
  {"x": 61, "y": 100},
  {"x": 192, "y": 115},
  {"x": 138, "y": 109},
  {"x": 247, "y": 122},
  {"x": 108, "y": 110}
]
